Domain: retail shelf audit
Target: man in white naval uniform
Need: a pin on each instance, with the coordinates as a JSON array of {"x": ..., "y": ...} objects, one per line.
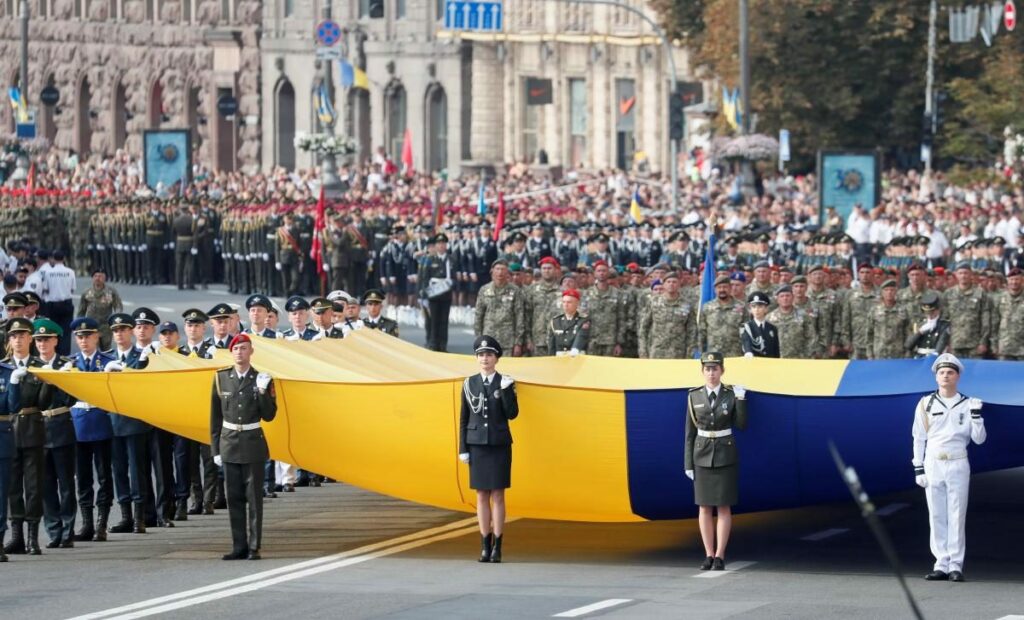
[{"x": 945, "y": 422}]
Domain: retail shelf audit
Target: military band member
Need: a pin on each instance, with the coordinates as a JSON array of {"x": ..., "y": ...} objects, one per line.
[
  {"x": 241, "y": 398},
  {"x": 489, "y": 402},
  {"x": 373, "y": 299},
  {"x": 945, "y": 423},
  {"x": 711, "y": 456},
  {"x": 569, "y": 332},
  {"x": 931, "y": 336},
  {"x": 758, "y": 337}
]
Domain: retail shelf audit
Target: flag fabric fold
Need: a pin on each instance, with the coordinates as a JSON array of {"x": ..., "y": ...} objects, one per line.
[
  {"x": 407, "y": 152},
  {"x": 707, "y": 282},
  {"x": 499, "y": 222},
  {"x": 319, "y": 225},
  {"x": 634, "y": 206},
  {"x": 481, "y": 204},
  {"x": 324, "y": 109},
  {"x": 352, "y": 76}
]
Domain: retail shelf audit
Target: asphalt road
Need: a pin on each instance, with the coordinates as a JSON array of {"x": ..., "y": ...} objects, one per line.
[{"x": 341, "y": 552}]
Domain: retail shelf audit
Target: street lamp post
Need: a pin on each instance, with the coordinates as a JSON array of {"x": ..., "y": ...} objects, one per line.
[
  {"x": 328, "y": 164},
  {"x": 24, "y": 49}
]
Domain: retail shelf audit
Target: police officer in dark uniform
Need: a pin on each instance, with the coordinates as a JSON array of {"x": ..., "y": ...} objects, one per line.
[
  {"x": 758, "y": 337},
  {"x": 59, "y": 505},
  {"x": 931, "y": 337},
  {"x": 26, "y": 477},
  {"x": 489, "y": 402},
  {"x": 241, "y": 398},
  {"x": 6, "y": 451},
  {"x": 569, "y": 333},
  {"x": 711, "y": 458},
  {"x": 373, "y": 299}
]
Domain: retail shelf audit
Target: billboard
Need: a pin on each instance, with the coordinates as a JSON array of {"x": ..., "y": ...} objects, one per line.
[
  {"x": 167, "y": 156},
  {"x": 846, "y": 178}
]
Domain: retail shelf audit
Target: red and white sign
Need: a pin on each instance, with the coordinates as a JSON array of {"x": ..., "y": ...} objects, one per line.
[{"x": 1010, "y": 15}]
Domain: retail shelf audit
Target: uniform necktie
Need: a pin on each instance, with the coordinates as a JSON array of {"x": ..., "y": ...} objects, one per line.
[
  {"x": 124, "y": 358},
  {"x": 711, "y": 397},
  {"x": 21, "y": 363},
  {"x": 487, "y": 381}
]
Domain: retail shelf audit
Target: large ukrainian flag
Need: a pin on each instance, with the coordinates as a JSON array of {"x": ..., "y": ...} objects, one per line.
[{"x": 597, "y": 439}]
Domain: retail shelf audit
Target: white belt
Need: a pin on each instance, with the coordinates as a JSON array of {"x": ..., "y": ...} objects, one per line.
[
  {"x": 714, "y": 434},
  {"x": 948, "y": 456},
  {"x": 241, "y": 427},
  {"x": 81, "y": 405}
]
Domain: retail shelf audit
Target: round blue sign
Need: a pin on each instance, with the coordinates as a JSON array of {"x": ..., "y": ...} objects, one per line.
[{"x": 328, "y": 32}]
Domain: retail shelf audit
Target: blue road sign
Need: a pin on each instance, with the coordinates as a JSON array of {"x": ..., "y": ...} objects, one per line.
[
  {"x": 328, "y": 32},
  {"x": 466, "y": 15}
]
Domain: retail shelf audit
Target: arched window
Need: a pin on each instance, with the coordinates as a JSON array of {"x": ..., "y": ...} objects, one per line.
[
  {"x": 437, "y": 128},
  {"x": 284, "y": 120},
  {"x": 396, "y": 120}
]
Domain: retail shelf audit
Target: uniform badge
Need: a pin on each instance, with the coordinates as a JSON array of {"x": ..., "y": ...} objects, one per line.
[{"x": 496, "y": 393}]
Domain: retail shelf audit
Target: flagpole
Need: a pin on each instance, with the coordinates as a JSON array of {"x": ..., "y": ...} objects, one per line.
[
  {"x": 24, "y": 51},
  {"x": 329, "y": 179}
]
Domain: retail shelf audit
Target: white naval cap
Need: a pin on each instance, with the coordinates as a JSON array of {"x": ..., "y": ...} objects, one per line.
[
  {"x": 338, "y": 294},
  {"x": 947, "y": 360}
]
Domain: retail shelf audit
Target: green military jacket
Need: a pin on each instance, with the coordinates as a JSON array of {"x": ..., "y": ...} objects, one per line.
[
  {"x": 236, "y": 400},
  {"x": 729, "y": 412}
]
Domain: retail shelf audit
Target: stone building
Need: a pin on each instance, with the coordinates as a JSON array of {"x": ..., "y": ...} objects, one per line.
[{"x": 123, "y": 66}]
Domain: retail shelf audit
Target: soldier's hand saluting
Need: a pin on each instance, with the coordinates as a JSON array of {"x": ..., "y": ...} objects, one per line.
[
  {"x": 740, "y": 392},
  {"x": 263, "y": 380}
]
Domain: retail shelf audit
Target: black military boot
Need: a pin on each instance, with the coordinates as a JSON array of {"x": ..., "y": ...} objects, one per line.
[
  {"x": 496, "y": 552},
  {"x": 87, "y": 531},
  {"x": 140, "y": 520},
  {"x": 17, "y": 544},
  {"x": 33, "y": 539},
  {"x": 196, "y": 508},
  {"x": 101, "y": 524},
  {"x": 219, "y": 501},
  {"x": 486, "y": 544},
  {"x": 126, "y": 523},
  {"x": 3, "y": 556},
  {"x": 181, "y": 514}
]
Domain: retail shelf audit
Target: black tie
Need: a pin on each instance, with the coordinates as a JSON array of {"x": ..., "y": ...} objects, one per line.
[
  {"x": 487, "y": 381},
  {"x": 21, "y": 363},
  {"x": 124, "y": 358},
  {"x": 711, "y": 398}
]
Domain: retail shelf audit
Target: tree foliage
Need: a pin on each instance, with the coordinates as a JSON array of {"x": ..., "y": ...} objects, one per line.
[{"x": 842, "y": 74}]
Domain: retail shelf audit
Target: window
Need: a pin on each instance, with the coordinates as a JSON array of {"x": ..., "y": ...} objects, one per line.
[
  {"x": 226, "y": 14},
  {"x": 364, "y": 8},
  {"x": 289, "y": 8},
  {"x": 577, "y": 122},
  {"x": 150, "y": 10},
  {"x": 43, "y": 8},
  {"x": 399, "y": 9},
  {"x": 78, "y": 9},
  {"x": 439, "y": 7},
  {"x": 115, "y": 14},
  {"x": 186, "y": 11},
  {"x": 531, "y": 122}
]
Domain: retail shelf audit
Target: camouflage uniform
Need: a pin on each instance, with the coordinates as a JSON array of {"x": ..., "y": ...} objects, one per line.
[
  {"x": 969, "y": 313},
  {"x": 541, "y": 303},
  {"x": 629, "y": 320},
  {"x": 719, "y": 326},
  {"x": 669, "y": 328},
  {"x": 856, "y": 316},
  {"x": 605, "y": 314},
  {"x": 827, "y": 305},
  {"x": 1008, "y": 326},
  {"x": 797, "y": 336},
  {"x": 888, "y": 329},
  {"x": 499, "y": 314},
  {"x": 911, "y": 302}
]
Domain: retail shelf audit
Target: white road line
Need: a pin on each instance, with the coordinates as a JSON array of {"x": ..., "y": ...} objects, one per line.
[
  {"x": 217, "y": 292},
  {"x": 163, "y": 309},
  {"x": 885, "y": 511},
  {"x": 1011, "y": 617},
  {"x": 128, "y": 303},
  {"x": 289, "y": 569},
  {"x": 822, "y": 535},
  {"x": 598, "y": 606},
  {"x": 729, "y": 568}
]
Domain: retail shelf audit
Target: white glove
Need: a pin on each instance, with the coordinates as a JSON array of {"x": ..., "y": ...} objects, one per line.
[
  {"x": 689, "y": 474},
  {"x": 218, "y": 461},
  {"x": 277, "y": 266},
  {"x": 263, "y": 380},
  {"x": 424, "y": 303},
  {"x": 506, "y": 381},
  {"x": 927, "y": 326},
  {"x": 195, "y": 252},
  {"x": 326, "y": 267},
  {"x": 974, "y": 404},
  {"x": 739, "y": 391},
  {"x": 319, "y": 336},
  {"x": 67, "y": 366},
  {"x": 266, "y": 256},
  {"x": 573, "y": 352},
  {"x": 921, "y": 480},
  {"x": 114, "y": 366},
  {"x": 464, "y": 457},
  {"x": 748, "y": 354},
  {"x": 17, "y": 375},
  {"x": 293, "y": 337}
]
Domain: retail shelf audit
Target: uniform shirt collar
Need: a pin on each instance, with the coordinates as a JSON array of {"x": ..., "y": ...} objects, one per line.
[
  {"x": 486, "y": 377},
  {"x": 717, "y": 391}
]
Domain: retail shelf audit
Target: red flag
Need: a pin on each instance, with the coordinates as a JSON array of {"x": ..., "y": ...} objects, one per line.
[
  {"x": 407, "y": 151},
  {"x": 30, "y": 181},
  {"x": 319, "y": 226},
  {"x": 499, "y": 222}
]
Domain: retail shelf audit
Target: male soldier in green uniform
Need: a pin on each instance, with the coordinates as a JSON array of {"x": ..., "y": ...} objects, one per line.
[
  {"x": 1008, "y": 319},
  {"x": 99, "y": 302},
  {"x": 288, "y": 255},
  {"x": 373, "y": 299},
  {"x": 857, "y": 314},
  {"x": 797, "y": 335},
  {"x": 542, "y": 302},
  {"x": 669, "y": 327},
  {"x": 889, "y": 326},
  {"x": 569, "y": 332},
  {"x": 499, "y": 310},
  {"x": 967, "y": 308},
  {"x": 183, "y": 228},
  {"x": 156, "y": 232},
  {"x": 910, "y": 297},
  {"x": 605, "y": 307},
  {"x": 822, "y": 324},
  {"x": 720, "y": 321},
  {"x": 241, "y": 399}
]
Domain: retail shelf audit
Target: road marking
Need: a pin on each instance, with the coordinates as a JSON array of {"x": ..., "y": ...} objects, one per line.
[
  {"x": 217, "y": 292},
  {"x": 885, "y": 511},
  {"x": 163, "y": 309},
  {"x": 289, "y": 572},
  {"x": 166, "y": 287},
  {"x": 822, "y": 535},
  {"x": 1011, "y": 617},
  {"x": 128, "y": 303},
  {"x": 598, "y": 606},
  {"x": 729, "y": 568}
]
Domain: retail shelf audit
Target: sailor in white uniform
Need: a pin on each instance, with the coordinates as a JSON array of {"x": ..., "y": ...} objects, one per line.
[{"x": 945, "y": 422}]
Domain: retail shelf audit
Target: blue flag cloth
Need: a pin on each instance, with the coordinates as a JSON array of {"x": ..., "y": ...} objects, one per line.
[
  {"x": 481, "y": 205},
  {"x": 707, "y": 283}
]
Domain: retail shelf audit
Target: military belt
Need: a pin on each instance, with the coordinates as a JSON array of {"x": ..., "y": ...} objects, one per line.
[
  {"x": 714, "y": 434},
  {"x": 948, "y": 456},
  {"x": 6, "y": 418},
  {"x": 49, "y": 413},
  {"x": 155, "y": 233},
  {"x": 189, "y": 238},
  {"x": 241, "y": 427},
  {"x": 29, "y": 411},
  {"x": 925, "y": 351}
]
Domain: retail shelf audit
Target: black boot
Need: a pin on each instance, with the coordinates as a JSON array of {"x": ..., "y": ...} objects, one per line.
[
  {"x": 486, "y": 543},
  {"x": 3, "y": 556},
  {"x": 496, "y": 552},
  {"x": 197, "y": 503},
  {"x": 33, "y": 539},
  {"x": 207, "y": 508},
  {"x": 219, "y": 501},
  {"x": 181, "y": 514},
  {"x": 101, "y": 524},
  {"x": 140, "y": 520},
  {"x": 126, "y": 523},
  {"x": 17, "y": 544},
  {"x": 87, "y": 531}
]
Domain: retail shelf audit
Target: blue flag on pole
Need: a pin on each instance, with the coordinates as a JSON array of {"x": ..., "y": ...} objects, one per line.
[
  {"x": 707, "y": 282},
  {"x": 481, "y": 205}
]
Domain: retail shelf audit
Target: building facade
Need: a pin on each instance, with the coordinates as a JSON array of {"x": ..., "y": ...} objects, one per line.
[{"x": 124, "y": 66}]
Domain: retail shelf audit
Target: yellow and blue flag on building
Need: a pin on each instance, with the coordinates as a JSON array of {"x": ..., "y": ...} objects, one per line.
[
  {"x": 352, "y": 76},
  {"x": 18, "y": 103},
  {"x": 634, "y": 206},
  {"x": 324, "y": 107}
]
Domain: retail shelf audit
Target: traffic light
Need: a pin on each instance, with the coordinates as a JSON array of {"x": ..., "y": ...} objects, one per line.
[
  {"x": 376, "y": 9},
  {"x": 676, "y": 117}
]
